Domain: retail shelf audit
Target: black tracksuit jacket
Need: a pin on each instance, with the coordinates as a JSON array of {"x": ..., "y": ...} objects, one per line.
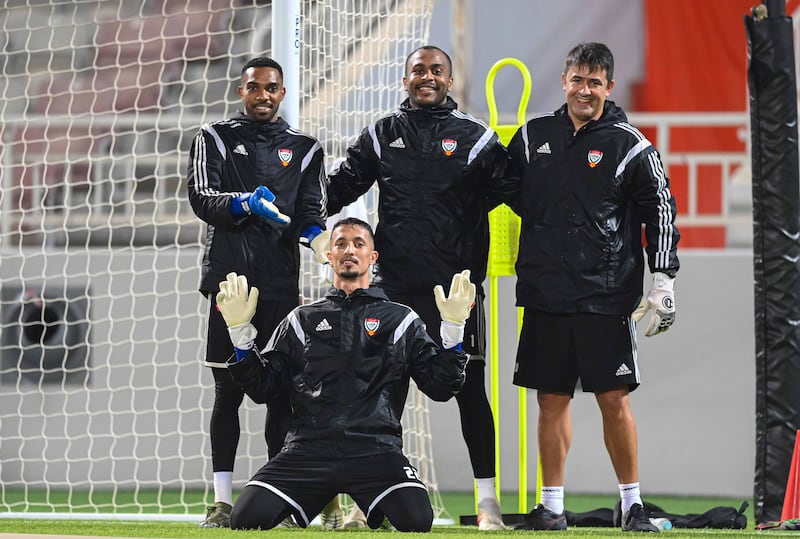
[
  {"x": 437, "y": 170},
  {"x": 347, "y": 361},
  {"x": 235, "y": 156},
  {"x": 583, "y": 198}
]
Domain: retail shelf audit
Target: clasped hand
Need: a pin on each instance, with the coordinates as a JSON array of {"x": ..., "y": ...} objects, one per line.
[{"x": 261, "y": 203}]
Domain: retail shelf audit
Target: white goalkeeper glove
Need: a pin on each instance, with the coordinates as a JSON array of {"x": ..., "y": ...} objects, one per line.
[
  {"x": 454, "y": 309},
  {"x": 318, "y": 240},
  {"x": 661, "y": 300},
  {"x": 237, "y": 308}
]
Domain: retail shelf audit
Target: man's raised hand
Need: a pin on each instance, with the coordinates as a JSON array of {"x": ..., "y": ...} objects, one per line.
[
  {"x": 454, "y": 308},
  {"x": 237, "y": 307}
]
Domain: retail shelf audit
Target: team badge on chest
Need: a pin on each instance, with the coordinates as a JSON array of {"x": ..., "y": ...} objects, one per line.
[
  {"x": 449, "y": 146},
  {"x": 371, "y": 325},
  {"x": 285, "y": 155},
  {"x": 594, "y": 157}
]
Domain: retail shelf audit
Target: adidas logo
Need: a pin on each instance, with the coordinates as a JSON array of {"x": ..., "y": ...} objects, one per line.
[
  {"x": 621, "y": 371},
  {"x": 397, "y": 143},
  {"x": 324, "y": 325},
  {"x": 544, "y": 148},
  {"x": 240, "y": 150}
]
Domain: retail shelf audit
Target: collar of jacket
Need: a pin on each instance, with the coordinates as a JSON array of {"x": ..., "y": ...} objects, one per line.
[
  {"x": 611, "y": 114},
  {"x": 374, "y": 292},
  {"x": 269, "y": 128},
  {"x": 438, "y": 112}
]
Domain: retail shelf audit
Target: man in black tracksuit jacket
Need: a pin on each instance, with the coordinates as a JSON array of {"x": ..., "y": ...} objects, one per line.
[
  {"x": 346, "y": 360},
  {"x": 231, "y": 163},
  {"x": 437, "y": 170},
  {"x": 588, "y": 182},
  {"x": 580, "y": 231}
]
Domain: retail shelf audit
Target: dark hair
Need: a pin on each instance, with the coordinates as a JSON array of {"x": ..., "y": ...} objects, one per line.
[
  {"x": 593, "y": 56},
  {"x": 430, "y": 48},
  {"x": 263, "y": 61},
  {"x": 355, "y": 221}
]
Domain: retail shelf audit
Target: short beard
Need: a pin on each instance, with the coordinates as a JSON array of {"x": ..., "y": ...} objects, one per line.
[{"x": 349, "y": 275}]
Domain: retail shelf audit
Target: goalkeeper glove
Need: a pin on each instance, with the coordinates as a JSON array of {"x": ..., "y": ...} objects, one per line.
[
  {"x": 454, "y": 309},
  {"x": 237, "y": 308},
  {"x": 661, "y": 300},
  {"x": 318, "y": 240},
  {"x": 259, "y": 202}
]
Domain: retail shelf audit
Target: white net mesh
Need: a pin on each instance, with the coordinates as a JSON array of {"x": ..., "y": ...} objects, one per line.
[{"x": 104, "y": 403}]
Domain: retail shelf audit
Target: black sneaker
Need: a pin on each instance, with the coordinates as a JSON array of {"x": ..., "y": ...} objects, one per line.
[
  {"x": 541, "y": 518},
  {"x": 636, "y": 520}
]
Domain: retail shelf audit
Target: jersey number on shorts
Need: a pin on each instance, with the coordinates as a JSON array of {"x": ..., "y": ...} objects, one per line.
[{"x": 411, "y": 473}]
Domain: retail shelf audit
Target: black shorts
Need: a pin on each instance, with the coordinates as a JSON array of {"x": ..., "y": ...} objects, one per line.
[
  {"x": 474, "y": 331},
  {"x": 218, "y": 342},
  {"x": 557, "y": 350},
  {"x": 308, "y": 483}
]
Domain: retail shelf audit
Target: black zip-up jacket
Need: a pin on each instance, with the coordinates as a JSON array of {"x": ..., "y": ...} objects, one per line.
[
  {"x": 437, "y": 171},
  {"x": 234, "y": 156},
  {"x": 347, "y": 361},
  {"x": 584, "y": 198}
]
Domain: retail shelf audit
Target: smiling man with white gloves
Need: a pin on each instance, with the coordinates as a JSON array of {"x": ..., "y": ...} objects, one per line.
[
  {"x": 591, "y": 188},
  {"x": 346, "y": 361}
]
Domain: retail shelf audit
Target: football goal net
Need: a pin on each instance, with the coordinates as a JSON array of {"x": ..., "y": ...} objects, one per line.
[{"x": 104, "y": 402}]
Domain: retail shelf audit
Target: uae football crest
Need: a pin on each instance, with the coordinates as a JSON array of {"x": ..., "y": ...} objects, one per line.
[
  {"x": 285, "y": 155},
  {"x": 449, "y": 146},
  {"x": 594, "y": 157},
  {"x": 371, "y": 325}
]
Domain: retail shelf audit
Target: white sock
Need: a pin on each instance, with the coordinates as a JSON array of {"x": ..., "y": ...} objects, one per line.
[
  {"x": 629, "y": 494},
  {"x": 553, "y": 498},
  {"x": 223, "y": 487},
  {"x": 486, "y": 488}
]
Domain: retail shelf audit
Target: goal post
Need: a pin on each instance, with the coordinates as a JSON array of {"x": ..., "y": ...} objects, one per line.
[{"x": 104, "y": 402}]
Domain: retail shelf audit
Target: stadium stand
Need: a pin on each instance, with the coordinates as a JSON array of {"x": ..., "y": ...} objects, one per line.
[
  {"x": 103, "y": 97},
  {"x": 57, "y": 155}
]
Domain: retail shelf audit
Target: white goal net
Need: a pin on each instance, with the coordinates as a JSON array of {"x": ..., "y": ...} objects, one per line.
[{"x": 104, "y": 402}]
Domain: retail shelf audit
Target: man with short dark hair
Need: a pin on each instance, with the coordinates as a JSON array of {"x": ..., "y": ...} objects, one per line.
[
  {"x": 588, "y": 182},
  {"x": 260, "y": 187},
  {"x": 346, "y": 361},
  {"x": 437, "y": 170}
]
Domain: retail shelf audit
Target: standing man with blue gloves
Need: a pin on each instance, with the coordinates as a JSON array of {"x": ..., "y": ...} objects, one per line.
[
  {"x": 346, "y": 361},
  {"x": 259, "y": 185}
]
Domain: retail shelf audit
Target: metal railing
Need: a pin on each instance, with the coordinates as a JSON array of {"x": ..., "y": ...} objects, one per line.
[{"x": 732, "y": 165}]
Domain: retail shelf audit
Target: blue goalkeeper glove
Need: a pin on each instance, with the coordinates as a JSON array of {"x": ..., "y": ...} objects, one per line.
[
  {"x": 259, "y": 202},
  {"x": 318, "y": 240}
]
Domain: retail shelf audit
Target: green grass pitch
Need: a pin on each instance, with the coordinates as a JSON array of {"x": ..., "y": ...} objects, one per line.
[{"x": 455, "y": 503}]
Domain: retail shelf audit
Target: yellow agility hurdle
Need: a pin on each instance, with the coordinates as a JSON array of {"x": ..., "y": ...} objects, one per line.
[{"x": 504, "y": 228}]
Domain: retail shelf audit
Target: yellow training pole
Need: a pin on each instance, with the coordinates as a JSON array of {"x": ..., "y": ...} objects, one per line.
[{"x": 504, "y": 241}]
